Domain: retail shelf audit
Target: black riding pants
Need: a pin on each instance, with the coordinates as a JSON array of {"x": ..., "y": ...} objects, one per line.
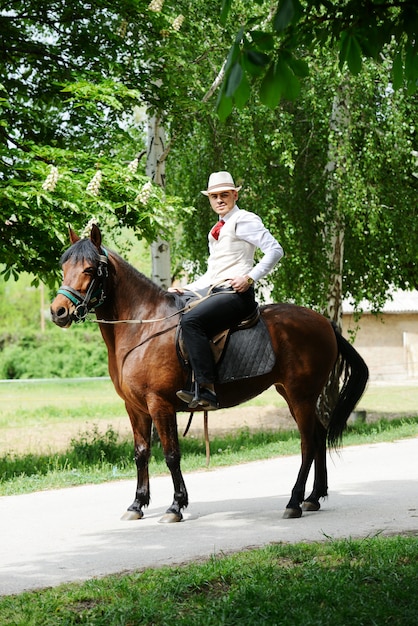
[{"x": 223, "y": 309}]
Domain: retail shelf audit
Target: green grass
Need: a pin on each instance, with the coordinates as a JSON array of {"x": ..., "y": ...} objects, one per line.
[
  {"x": 347, "y": 582},
  {"x": 95, "y": 457},
  {"x": 25, "y": 403}
]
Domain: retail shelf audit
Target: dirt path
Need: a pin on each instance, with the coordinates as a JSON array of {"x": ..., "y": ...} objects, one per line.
[
  {"x": 57, "y": 437},
  {"x": 48, "y": 438}
]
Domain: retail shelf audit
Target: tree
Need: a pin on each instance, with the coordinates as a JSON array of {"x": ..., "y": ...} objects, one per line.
[
  {"x": 72, "y": 76},
  {"x": 270, "y": 50},
  {"x": 282, "y": 158}
]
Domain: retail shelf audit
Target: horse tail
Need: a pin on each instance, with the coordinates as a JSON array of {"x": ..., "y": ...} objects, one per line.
[{"x": 355, "y": 373}]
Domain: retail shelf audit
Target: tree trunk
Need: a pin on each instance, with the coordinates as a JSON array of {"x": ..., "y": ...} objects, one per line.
[
  {"x": 334, "y": 231},
  {"x": 334, "y": 226},
  {"x": 155, "y": 169}
]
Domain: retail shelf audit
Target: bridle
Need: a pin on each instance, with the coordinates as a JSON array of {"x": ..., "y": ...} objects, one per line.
[{"x": 95, "y": 294}]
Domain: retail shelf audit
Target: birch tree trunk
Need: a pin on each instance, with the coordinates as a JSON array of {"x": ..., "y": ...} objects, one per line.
[
  {"x": 334, "y": 229},
  {"x": 334, "y": 222},
  {"x": 155, "y": 169}
]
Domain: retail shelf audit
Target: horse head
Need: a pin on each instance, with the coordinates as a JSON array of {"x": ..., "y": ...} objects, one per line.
[{"x": 85, "y": 268}]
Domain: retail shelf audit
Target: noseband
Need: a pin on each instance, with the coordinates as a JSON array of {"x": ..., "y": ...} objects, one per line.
[{"x": 95, "y": 294}]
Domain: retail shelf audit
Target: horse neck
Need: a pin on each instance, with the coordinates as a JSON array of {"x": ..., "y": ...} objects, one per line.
[{"x": 131, "y": 295}]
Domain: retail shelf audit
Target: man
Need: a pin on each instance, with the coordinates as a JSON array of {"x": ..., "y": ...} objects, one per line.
[{"x": 230, "y": 275}]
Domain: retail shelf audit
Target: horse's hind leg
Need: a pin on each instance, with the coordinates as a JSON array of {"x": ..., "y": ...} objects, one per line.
[
  {"x": 320, "y": 486},
  {"x": 305, "y": 417}
]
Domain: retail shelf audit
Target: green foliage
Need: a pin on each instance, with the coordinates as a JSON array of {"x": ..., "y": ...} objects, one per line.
[
  {"x": 355, "y": 31},
  {"x": 76, "y": 81},
  {"x": 54, "y": 354},
  {"x": 89, "y": 450},
  {"x": 282, "y": 158}
]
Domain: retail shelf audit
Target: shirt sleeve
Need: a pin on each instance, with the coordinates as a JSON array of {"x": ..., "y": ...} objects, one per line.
[
  {"x": 202, "y": 282},
  {"x": 250, "y": 228}
]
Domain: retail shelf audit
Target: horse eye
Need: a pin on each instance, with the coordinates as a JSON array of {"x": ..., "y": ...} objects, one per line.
[{"x": 89, "y": 270}]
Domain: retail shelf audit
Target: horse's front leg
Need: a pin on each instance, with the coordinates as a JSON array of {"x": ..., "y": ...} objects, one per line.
[
  {"x": 167, "y": 431},
  {"x": 141, "y": 426}
]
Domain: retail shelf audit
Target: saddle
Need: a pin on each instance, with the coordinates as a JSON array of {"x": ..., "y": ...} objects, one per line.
[{"x": 237, "y": 354}]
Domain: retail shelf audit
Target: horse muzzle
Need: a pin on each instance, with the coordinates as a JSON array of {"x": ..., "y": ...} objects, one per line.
[{"x": 61, "y": 313}]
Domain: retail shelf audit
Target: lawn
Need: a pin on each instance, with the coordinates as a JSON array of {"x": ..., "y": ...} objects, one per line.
[{"x": 346, "y": 583}]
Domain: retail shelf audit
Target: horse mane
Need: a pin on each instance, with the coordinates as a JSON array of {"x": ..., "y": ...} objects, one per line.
[
  {"x": 135, "y": 275},
  {"x": 81, "y": 250},
  {"x": 85, "y": 250}
]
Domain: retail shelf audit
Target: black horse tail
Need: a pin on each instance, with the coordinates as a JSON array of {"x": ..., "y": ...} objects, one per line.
[{"x": 355, "y": 373}]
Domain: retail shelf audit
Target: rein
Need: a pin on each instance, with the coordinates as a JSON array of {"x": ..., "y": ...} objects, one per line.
[
  {"x": 96, "y": 295},
  {"x": 186, "y": 308}
]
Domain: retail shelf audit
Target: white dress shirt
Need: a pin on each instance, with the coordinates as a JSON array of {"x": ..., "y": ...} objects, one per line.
[{"x": 249, "y": 228}]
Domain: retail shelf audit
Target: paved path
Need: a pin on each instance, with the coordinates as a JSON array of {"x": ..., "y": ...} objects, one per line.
[{"x": 52, "y": 537}]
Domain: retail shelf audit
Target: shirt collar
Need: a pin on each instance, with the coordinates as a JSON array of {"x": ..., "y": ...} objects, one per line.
[{"x": 226, "y": 217}]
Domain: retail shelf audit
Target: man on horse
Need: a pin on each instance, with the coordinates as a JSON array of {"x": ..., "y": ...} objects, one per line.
[{"x": 230, "y": 277}]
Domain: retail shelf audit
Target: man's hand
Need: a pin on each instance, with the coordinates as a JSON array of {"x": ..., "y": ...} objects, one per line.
[
  {"x": 240, "y": 284},
  {"x": 175, "y": 290}
]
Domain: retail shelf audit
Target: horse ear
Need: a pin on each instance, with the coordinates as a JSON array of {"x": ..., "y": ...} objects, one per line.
[
  {"x": 73, "y": 236},
  {"x": 96, "y": 236}
]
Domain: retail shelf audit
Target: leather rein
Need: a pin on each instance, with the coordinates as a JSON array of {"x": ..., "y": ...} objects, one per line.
[{"x": 96, "y": 295}]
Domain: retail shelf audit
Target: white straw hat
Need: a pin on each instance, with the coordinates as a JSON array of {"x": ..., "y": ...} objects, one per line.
[{"x": 220, "y": 181}]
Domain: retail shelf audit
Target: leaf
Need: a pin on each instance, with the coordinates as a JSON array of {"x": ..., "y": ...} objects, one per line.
[
  {"x": 354, "y": 58},
  {"x": 397, "y": 71},
  {"x": 226, "y": 7},
  {"x": 279, "y": 82},
  {"x": 411, "y": 63},
  {"x": 258, "y": 58},
  {"x": 243, "y": 93},
  {"x": 254, "y": 63},
  {"x": 299, "y": 67},
  {"x": 263, "y": 40},
  {"x": 293, "y": 87},
  {"x": 343, "y": 49},
  {"x": 350, "y": 52},
  {"x": 224, "y": 106},
  {"x": 233, "y": 80},
  {"x": 232, "y": 56},
  {"x": 284, "y": 15},
  {"x": 270, "y": 92}
]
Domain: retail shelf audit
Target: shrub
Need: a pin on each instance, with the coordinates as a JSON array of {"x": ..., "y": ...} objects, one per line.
[{"x": 54, "y": 354}]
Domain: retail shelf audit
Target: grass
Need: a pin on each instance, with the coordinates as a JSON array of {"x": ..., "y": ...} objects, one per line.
[
  {"x": 346, "y": 582},
  {"x": 96, "y": 457},
  {"x": 24, "y": 403},
  {"x": 98, "y": 453}
]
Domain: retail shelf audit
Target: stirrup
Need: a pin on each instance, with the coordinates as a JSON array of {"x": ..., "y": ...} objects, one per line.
[{"x": 204, "y": 398}]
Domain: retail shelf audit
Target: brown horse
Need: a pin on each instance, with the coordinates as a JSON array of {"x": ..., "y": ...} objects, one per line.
[{"x": 146, "y": 371}]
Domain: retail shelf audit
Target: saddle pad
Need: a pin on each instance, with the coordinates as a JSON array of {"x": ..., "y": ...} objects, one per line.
[{"x": 248, "y": 353}]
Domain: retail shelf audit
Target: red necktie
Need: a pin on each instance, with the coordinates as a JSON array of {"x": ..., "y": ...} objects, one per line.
[{"x": 216, "y": 229}]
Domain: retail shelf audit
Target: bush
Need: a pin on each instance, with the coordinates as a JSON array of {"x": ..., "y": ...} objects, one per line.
[
  {"x": 54, "y": 353},
  {"x": 91, "y": 449}
]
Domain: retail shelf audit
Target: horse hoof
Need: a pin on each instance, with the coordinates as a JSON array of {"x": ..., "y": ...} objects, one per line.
[
  {"x": 310, "y": 506},
  {"x": 130, "y": 516},
  {"x": 170, "y": 518},
  {"x": 292, "y": 513}
]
